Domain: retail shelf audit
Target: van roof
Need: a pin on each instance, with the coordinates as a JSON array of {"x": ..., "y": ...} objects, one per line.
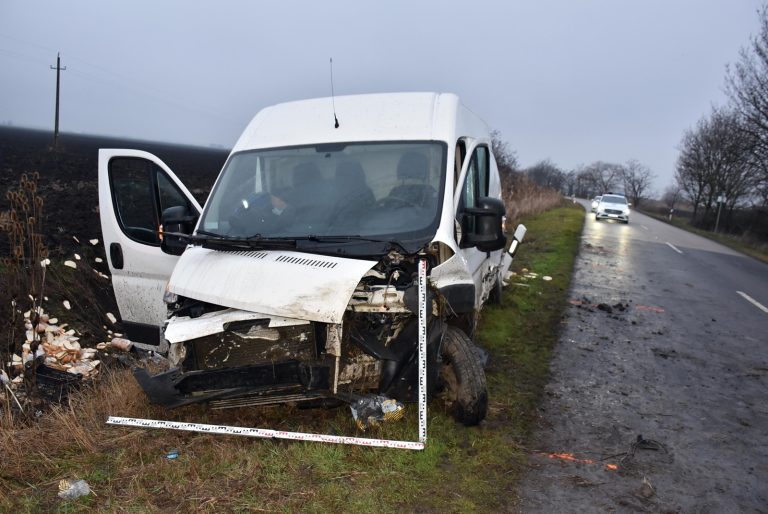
[{"x": 370, "y": 117}]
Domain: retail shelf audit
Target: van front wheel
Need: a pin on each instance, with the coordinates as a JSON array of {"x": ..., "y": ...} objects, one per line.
[
  {"x": 462, "y": 378},
  {"x": 494, "y": 298}
]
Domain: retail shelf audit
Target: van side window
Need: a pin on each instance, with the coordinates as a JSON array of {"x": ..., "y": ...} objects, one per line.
[
  {"x": 140, "y": 192},
  {"x": 475, "y": 186},
  {"x": 169, "y": 194}
]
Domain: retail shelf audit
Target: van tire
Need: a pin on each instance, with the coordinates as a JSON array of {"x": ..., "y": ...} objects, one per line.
[
  {"x": 495, "y": 296},
  {"x": 462, "y": 378}
]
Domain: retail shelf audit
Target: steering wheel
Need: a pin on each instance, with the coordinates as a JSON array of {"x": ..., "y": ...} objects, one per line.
[{"x": 395, "y": 202}]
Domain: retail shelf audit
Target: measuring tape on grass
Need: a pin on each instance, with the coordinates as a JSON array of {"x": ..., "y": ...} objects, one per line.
[{"x": 267, "y": 433}]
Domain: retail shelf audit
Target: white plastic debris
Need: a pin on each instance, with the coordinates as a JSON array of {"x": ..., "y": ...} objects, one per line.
[
  {"x": 76, "y": 239},
  {"x": 69, "y": 490},
  {"x": 70, "y": 264},
  {"x": 546, "y": 278},
  {"x": 94, "y": 242},
  {"x": 66, "y": 304},
  {"x": 99, "y": 259},
  {"x": 121, "y": 344},
  {"x": 77, "y": 257},
  {"x": 45, "y": 262},
  {"x": 112, "y": 318}
]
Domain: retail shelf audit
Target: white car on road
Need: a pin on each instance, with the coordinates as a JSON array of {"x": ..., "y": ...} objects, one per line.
[{"x": 613, "y": 207}]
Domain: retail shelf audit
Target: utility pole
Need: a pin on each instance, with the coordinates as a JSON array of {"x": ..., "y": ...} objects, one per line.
[{"x": 58, "y": 69}]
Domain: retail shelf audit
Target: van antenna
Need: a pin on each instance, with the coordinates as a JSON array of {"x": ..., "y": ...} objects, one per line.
[{"x": 333, "y": 99}]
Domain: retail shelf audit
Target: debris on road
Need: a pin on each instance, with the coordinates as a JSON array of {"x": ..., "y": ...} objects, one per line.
[
  {"x": 664, "y": 354},
  {"x": 649, "y": 308},
  {"x": 605, "y": 307},
  {"x": 640, "y": 443},
  {"x": 572, "y": 458},
  {"x": 646, "y": 489}
]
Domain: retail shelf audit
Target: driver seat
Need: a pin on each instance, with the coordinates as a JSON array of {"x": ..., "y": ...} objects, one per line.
[{"x": 413, "y": 172}]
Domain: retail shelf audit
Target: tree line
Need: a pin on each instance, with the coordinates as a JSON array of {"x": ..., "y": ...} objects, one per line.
[
  {"x": 724, "y": 157},
  {"x": 632, "y": 179}
]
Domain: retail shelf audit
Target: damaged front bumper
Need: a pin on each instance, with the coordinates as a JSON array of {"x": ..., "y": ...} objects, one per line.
[
  {"x": 237, "y": 386},
  {"x": 235, "y": 358}
]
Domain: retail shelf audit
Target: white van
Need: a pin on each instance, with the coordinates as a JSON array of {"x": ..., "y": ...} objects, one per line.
[{"x": 297, "y": 280}]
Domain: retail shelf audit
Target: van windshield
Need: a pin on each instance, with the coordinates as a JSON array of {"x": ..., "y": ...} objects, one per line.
[{"x": 384, "y": 190}]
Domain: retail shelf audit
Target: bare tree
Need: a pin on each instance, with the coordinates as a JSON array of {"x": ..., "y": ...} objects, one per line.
[
  {"x": 747, "y": 86},
  {"x": 604, "y": 176},
  {"x": 637, "y": 179},
  {"x": 546, "y": 174},
  {"x": 672, "y": 195},
  {"x": 570, "y": 183},
  {"x": 506, "y": 158},
  {"x": 716, "y": 159}
]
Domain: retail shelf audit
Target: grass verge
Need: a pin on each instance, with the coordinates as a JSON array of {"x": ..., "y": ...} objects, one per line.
[
  {"x": 747, "y": 246},
  {"x": 462, "y": 469}
]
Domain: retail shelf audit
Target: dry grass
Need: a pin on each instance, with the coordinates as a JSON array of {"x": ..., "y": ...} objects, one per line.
[
  {"x": 127, "y": 469},
  {"x": 523, "y": 197}
]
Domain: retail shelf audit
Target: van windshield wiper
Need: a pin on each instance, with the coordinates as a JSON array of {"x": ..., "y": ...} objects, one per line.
[
  {"x": 256, "y": 241},
  {"x": 347, "y": 238},
  {"x": 342, "y": 239}
]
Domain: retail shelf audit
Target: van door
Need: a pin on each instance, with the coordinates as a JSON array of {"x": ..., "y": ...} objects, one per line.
[
  {"x": 475, "y": 180},
  {"x": 134, "y": 189}
]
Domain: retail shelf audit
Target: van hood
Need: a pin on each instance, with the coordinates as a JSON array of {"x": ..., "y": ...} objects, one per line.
[{"x": 277, "y": 283}]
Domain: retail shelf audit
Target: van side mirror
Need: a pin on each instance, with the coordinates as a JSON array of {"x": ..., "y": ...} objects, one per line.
[
  {"x": 176, "y": 220},
  {"x": 486, "y": 232}
]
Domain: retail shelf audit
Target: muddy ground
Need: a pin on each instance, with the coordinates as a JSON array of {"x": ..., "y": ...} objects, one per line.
[
  {"x": 68, "y": 177},
  {"x": 661, "y": 372}
]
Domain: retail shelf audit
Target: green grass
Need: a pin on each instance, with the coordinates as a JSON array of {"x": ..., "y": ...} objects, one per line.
[
  {"x": 461, "y": 470},
  {"x": 747, "y": 246}
]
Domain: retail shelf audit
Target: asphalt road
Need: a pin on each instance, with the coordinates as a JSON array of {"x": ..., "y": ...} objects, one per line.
[{"x": 682, "y": 362}]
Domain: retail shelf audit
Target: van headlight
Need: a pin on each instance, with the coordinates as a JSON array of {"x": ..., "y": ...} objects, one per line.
[{"x": 169, "y": 297}]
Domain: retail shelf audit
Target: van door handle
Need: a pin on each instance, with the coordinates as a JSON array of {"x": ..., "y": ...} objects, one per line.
[{"x": 116, "y": 255}]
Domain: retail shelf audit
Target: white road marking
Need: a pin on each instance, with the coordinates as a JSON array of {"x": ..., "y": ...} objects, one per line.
[
  {"x": 644, "y": 227},
  {"x": 753, "y": 301},
  {"x": 674, "y": 247}
]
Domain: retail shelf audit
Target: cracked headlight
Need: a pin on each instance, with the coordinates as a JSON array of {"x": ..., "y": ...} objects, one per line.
[{"x": 169, "y": 297}]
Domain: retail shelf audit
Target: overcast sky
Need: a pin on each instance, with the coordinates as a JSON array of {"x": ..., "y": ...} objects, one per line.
[{"x": 573, "y": 81}]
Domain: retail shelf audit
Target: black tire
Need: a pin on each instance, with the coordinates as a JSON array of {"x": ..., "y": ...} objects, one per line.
[
  {"x": 462, "y": 378},
  {"x": 496, "y": 293}
]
